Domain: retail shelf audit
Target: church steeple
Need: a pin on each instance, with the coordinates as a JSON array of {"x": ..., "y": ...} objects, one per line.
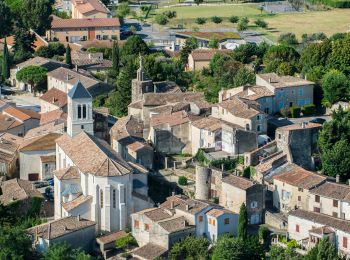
[
  {"x": 140, "y": 72},
  {"x": 79, "y": 110}
]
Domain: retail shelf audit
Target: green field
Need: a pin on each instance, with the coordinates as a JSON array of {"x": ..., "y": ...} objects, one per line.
[{"x": 329, "y": 22}]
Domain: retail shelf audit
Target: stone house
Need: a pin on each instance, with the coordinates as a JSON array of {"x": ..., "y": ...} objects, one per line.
[
  {"x": 75, "y": 30},
  {"x": 75, "y": 231},
  {"x": 210, "y": 132},
  {"x": 242, "y": 112},
  {"x": 9, "y": 145},
  {"x": 308, "y": 228},
  {"x": 127, "y": 140},
  {"x": 91, "y": 62},
  {"x": 292, "y": 187},
  {"x": 82, "y": 9},
  {"x": 149, "y": 251},
  {"x": 64, "y": 79},
  {"x": 237, "y": 190},
  {"x": 18, "y": 121},
  {"x": 200, "y": 58},
  {"x": 37, "y": 157},
  {"x": 53, "y": 99},
  {"x": 36, "y": 61},
  {"x": 57, "y": 117},
  {"x": 20, "y": 191},
  {"x": 171, "y": 133},
  {"x": 332, "y": 199},
  {"x": 179, "y": 217}
]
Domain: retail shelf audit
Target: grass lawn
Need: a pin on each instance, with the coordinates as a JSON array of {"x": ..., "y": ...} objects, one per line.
[{"x": 329, "y": 22}]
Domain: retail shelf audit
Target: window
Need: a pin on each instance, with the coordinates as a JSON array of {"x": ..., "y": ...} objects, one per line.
[
  {"x": 79, "y": 111},
  {"x": 146, "y": 227},
  {"x": 299, "y": 198},
  {"x": 301, "y": 92},
  {"x": 285, "y": 195},
  {"x": 335, "y": 214},
  {"x": 247, "y": 127},
  {"x": 210, "y": 221},
  {"x": 253, "y": 204},
  {"x": 258, "y": 128},
  {"x": 345, "y": 242},
  {"x": 300, "y": 189},
  {"x": 227, "y": 221},
  {"x": 297, "y": 228},
  {"x": 84, "y": 111},
  {"x": 301, "y": 102},
  {"x": 82, "y": 127},
  {"x": 213, "y": 222},
  {"x": 101, "y": 198},
  {"x": 316, "y": 209},
  {"x": 200, "y": 219},
  {"x": 258, "y": 117},
  {"x": 335, "y": 203},
  {"x": 114, "y": 199},
  {"x": 136, "y": 224},
  {"x": 317, "y": 198}
]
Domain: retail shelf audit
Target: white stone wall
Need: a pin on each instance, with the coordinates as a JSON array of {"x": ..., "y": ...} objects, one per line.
[
  {"x": 326, "y": 206},
  {"x": 61, "y": 85},
  {"x": 76, "y": 125},
  {"x": 30, "y": 162}
]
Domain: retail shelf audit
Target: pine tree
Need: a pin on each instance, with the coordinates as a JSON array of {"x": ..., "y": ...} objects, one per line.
[
  {"x": 326, "y": 250},
  {"x": 68, "y": 56},
  {"x": 5, "y": 63},
  {"x": 242, "y": 222},
  {"x": 115, "y": 58}
]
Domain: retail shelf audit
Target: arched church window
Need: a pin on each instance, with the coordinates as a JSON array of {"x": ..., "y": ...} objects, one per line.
[
  {"x": 84, "y": 111},
  {"x": 79, "y": 111}
]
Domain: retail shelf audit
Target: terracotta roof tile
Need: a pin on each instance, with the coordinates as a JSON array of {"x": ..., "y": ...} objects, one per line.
[
  {"x": 87, "y": 6},
  {"x": 48, "y": 158},
  {"x": 43, "y": 62},
  {"x": 217, "y": 212},
  {"x": 333, "y": 190},
  {"x": 297, "y": 176},
  {"x": 240, "y": 107},
  {"x": 255, "y": 92},
  {"x": 55, "y": 97},
  {"x": 157, "y": 214},
  {"x": 8, "y": 122},
  {"x": 84, "y": 23},
  {"x": 206, "y": 55},
  {"x": 68, "y": 206},
  {"x": 43, "y": 142},
  {"x": 238, "y": 182},
  {"x": 98, "y": 158},
  {"x": 16, "y": 113},
  {"x": 173, "y": 119},
  {"x": 175, "y": 224},
  {"x": 135, "y": 146},
  {"x": 299, "y": 126},
  {"x": 284, "y": 81},
  {"x": 68, "y": 173},
  {"x": 185, "y": 204},
  {"x": 54, "y": 116},
  {"x": 60, "y": 227},
  {"x": 17, "y": 189},
  {"x": 112, "y": 237},
  {"x": 149, "y": 251},
  {"x": 128, "y": 126},
  {"x": 44, "y": 129},
  {"x": 158, "y": 99}
]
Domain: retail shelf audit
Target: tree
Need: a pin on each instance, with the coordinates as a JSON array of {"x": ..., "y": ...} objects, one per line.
[
  {"x": 106, "y": 2},
  {"x": 190, "y": 248},
  {"x": 23, "y": 44},
  {"x": 243, "y": 222},
  {"x": 280, "y": 253},
  {"x": 126, "y": 242},
  {"x": 296, "y": 4},
  {"x": 14, "y": 243},
  {"x": 182, "y": 180},
  {"x": 230, "y": 248},
  {"x": 115, "y": 58},
  {"x": 315, "y": 55},
  {"x": 36, "y": 15},
  {"x": 190, "y": 45},
  {"x": 133, "y": 46},
  {"x": 277, "y": 54},
  {"x": 261, "y": 23},
  {"x": 201, "y": 20},
  {"x": 161, "y": 19},
  {"x": 216, "y": 19},
  {"x": 326, "y": 250},
  {"x": 63, "y": 251},
  {"x": 339, "y": 58},
  {"x": 213, "y": 43},
  {"x": 242, "y": 25},
  {"x": 288, "y": 39},
  {"x": 198, "y": 1},
  {"x": 233, "y": 19},
  {"x": 5, "y": 19},
  {"x": 335, "y": 86},
  {"x": 68, "y": 56},
  {"x": 5, "y": 68},
  {"x": 123, "y": 9},
  {"x": 33, "y": 75}
]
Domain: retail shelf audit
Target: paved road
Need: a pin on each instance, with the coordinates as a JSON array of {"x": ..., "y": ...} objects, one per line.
[
  {"x": 307, "y": 119},
  {"x": 25, "y": 100}
]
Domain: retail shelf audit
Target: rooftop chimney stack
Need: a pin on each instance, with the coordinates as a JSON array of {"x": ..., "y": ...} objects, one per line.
[{"x": 337, "y": 178}]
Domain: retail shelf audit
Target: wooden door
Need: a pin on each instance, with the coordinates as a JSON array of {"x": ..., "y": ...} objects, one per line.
[{"x": 91, "y": 34}]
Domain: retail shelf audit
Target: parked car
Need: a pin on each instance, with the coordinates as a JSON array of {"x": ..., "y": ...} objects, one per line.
[{"x": 318, "y": 120}]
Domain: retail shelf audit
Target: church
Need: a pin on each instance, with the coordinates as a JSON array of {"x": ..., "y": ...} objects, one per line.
[{"x": 91, "y": 179}]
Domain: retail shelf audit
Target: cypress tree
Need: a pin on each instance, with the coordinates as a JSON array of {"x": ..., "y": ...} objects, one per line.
[
  {"x": 68, "y": 56},
  {"x": 5, "y": 63},
  {"x": 115, "y": 58},
  {"x": 242, "y": 222}
]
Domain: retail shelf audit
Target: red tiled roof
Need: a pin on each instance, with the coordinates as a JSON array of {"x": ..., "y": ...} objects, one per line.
[
  {"x": 53, "y": 116},
  {"x": 83, "y": 23},
  {"x": 55, "y": 97},
  {"x": 86, "y": 6},
  {"x": 206, "y": 55},
  {"x": 21, "y": 113}
]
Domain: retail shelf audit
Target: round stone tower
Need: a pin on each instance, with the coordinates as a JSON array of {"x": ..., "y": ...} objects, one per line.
[{"x": 202, "y": 182}]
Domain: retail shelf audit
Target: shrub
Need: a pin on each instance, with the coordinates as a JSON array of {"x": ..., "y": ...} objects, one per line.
[
  {"x": 228, "y": 163},
  {"x": 288, "y": 38},
  {"x": 261, "y": 23},
  {"x": 295, "y": 112},
  {"x": 213, "y": 43},
  {"x": 292, "y": 244},
  {"x": 243, "y": 24},
  {"x": 233, "y": 19},
  {"x": 125, "y": 242},
  {"x": 264, "y": 233},
  {"x": 308, "y": 110},
  {"x": 170, "y": 14},
  {"x": 161, "y": 19},
  {"x": 200, "y": 157},
  {"x": 245, "y": 20},
  {"x": 216, "y": 19},
  {"x": 182, "y": 181},
  {"x": 201, "y": 20},
  {"x": 285, "y": 112}
]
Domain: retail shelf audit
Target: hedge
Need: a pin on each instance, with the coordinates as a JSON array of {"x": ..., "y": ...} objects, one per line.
[
  {"x": 295, "y": 112},
  {"x": 333, "y": 3},
  {"x": 308, "y": 110}
]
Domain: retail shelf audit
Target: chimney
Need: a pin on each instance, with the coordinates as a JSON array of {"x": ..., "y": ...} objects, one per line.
[
  {"x": 270, "y": 80},
  {"x": 173, "y": 193},
  {"x": 222, "y": 167},
  {"x": 305, "y": 77},
  {"x": 337, "y": 178},
  {"x": 172, "y": 205},
  {"x": 158, "y": 205},
  {"x": 49, "y": 231},
  {"x": 187, "y": 207},
  {"x": 78, "y": 217},
  {"x": 303, "y": 124},
  {"x": 76, "y": 67}
]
